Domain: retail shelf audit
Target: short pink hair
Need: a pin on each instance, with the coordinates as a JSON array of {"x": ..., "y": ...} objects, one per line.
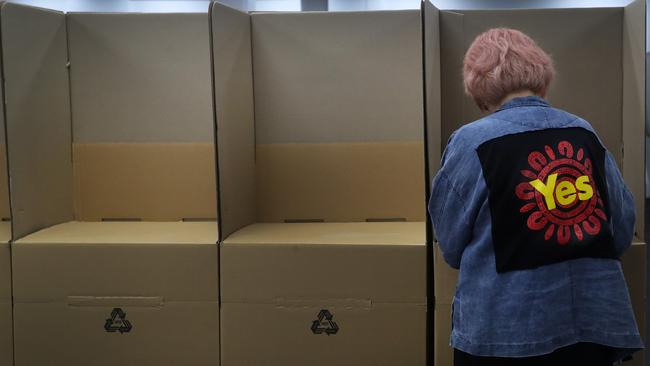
[{"x": 502, "y": 61}]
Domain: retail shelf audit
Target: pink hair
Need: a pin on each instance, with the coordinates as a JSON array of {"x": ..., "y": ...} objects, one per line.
[{"x": 502, "y": 61}]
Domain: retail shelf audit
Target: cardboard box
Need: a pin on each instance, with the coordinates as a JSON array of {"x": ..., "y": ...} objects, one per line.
[
  {"x": 599, "y": 56},
  {"x": 111, "y": 130},
  {"x": 322, "y": 192},
  {"x": 331, "y": 293}
]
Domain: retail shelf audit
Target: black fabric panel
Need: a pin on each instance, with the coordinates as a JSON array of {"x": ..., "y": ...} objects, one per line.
[{"x": 548, "y": 197}]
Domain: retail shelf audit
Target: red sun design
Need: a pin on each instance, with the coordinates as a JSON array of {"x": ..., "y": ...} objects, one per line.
[{"x": 563, "y": 222}]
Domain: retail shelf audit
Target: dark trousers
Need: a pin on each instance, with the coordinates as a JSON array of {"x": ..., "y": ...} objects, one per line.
[{"x": 578, "y": 354}]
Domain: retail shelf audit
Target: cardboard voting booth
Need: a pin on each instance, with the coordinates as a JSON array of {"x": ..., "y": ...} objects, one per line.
[
  {"x": 321, "y": 163},
  {"x": 599, "y": 57},
  {"x": 111, "y": 130}
]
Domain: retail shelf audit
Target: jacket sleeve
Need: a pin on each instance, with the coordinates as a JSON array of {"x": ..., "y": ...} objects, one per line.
[
  {"x": 621, "y": 206},
  {"x": 452, "y": 203}
]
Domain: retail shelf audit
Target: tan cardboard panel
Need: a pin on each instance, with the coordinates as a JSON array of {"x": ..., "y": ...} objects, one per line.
[
  {"x": 432, "y": 84},
  {"x": 6, "y": 334},
  {"x": 5, "y": 273},
  {"x": 175, "y": 261},
  {"x": 233, "y": 91},
  {"x": 340, "y": 181},
  {"x": 634, "y": 79},
  {"x": 140, "y": 77},
  {"x": 5, "y": 231},
  {"x": 38, "y": 116},
  {"x": 386, "y": 334},
  {"x": 108, "y": 232},
  {"x": 446, "y": 278},
  {"x": 443, "y": 352},
  {"x": 586, "y": 48},
  {"x": 179, "y": 333},
  {"x": 634, "y": 269},
  {"x": 338, "y": 76},
  {"x": 6, "y": 312},
  {"x": 5, "y": 213},
  {"x": 259, "y": 267},
  {"x": 353, "y": 233},
  {"x": 148, "y": 181}
]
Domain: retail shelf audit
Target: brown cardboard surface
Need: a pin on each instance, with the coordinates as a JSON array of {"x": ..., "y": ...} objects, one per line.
[
  {"x": 175, "y": 260},
  {"x": 370, "y": 276},
  {"x": 443, "y": 352},
  {"x": 340, "y": 181},
  {"x": 324, "y": 77},
  {"x": 634, "y": 43},
  {"x": 5, "y": 231},
  {"x": 377, "y": 262},
  {"x": 6, "y": 322},
  {"x": 148, "y": 181},
  {"x": 36, "y": 90},
  {"x": 6, "y": 334},
  {"x": 5, "y": 272},
  {"x": 445, "y": 279},
  {"x": 5, "y": 213},
  {"x": 176, "y": 333},
  {"x": 140, "y": 77},
  {"x": 432, "y": 84},
  {"x": 233, "y": 92},
  {"x": 383, "y": 334},
  {"x": 633, "y": 263},
  {"x": 163, "y": 275},
  {"x": 352, "y": 233}
]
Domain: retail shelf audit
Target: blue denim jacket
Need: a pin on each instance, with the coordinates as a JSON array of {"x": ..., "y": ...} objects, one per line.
[{"x": 526, "y": 312}]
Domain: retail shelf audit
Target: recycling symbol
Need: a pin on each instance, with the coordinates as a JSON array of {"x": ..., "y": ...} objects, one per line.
[
  {"x": 118, "y": 322},
  {"x": 324, "y": 323}
]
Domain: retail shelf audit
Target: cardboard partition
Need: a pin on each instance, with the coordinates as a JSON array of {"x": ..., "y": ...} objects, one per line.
[
  {"x": 322, "y": 179},
  {"x": 599, "y": 58},
  {"x": 6, "y": 318},
  {"x": 112, "y": 142}
]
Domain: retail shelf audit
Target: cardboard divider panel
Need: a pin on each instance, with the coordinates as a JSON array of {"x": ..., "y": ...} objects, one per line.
[
  {"x": 37, "y": 99},
  {"x": 233, "y": 93},
  {"x": 157, "y": 181},
  {"x": 330, "y": 103},
  {"x": 5, "y": 214},
  {"x": 432, "y": 61},
  {"x": 599, "y": 58},
  {"x": 634, "y": 108},
  {"x": 6, "y": 318},
  {"x": 377, "y": 181},
  {"x": 143, "y": 124}
]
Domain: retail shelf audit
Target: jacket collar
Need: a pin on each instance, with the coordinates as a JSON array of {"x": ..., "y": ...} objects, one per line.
[{"x": 528, "y": 101}]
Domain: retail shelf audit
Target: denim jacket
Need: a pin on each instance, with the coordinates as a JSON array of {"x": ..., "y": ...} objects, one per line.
[{"x": 529, "y": 282}]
